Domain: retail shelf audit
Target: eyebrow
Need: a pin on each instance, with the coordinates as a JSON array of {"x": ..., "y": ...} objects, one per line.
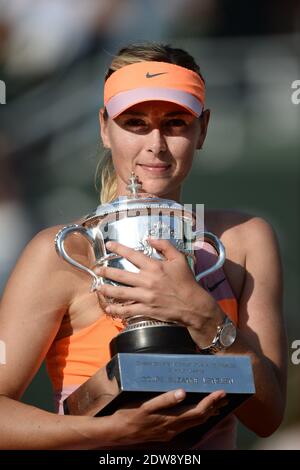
[{"x": 173, "y": 113}]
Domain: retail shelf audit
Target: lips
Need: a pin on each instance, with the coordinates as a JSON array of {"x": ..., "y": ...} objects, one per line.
[
  {"x": 156, "y": 168},
  {"x": 155, "y": 165}
]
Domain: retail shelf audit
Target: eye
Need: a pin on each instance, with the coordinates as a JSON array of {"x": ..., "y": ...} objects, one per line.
[
  {"x": 135, "y": 123},
  {"x": 175, "y": 126},
  {"x": 176, "y": 122}
]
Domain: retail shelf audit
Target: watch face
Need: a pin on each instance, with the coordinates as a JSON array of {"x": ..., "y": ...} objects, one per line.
[{"x": 228, "y": 335}]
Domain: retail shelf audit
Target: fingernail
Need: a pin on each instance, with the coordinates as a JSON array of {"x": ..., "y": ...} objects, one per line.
[
  {"x": 179, "y": 395},
  {"x": 108, "y": 309}
]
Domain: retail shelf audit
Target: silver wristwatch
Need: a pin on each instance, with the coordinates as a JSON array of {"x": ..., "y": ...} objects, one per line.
[{"x": 225, "y": 337}]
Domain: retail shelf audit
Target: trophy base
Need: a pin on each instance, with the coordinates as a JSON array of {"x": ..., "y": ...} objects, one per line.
[{"x": 134, "y": 378}]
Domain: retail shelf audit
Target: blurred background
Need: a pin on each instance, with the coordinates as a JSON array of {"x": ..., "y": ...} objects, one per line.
[{"x": 53, "y": 55}]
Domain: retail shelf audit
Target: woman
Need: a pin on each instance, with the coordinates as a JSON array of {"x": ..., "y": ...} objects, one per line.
[{"x": 152, "y": 123}]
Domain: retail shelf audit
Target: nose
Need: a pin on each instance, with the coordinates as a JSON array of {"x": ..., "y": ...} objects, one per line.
[{"x": 156, "y": 142}]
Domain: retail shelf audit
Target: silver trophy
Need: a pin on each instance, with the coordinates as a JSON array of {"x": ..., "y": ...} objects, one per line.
[{"x": 150, "y": 356}]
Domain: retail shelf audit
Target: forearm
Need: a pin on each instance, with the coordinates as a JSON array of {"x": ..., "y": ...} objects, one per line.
[
  {"x": 27, "y": 427},
  {"x": 262, "y": 413}
]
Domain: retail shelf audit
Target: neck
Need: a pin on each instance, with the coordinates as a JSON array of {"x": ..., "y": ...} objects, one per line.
[{"x": 174, "y": 195}]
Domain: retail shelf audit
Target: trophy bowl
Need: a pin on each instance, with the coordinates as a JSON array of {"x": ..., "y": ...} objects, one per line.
[{"x": 131, "y": 221}]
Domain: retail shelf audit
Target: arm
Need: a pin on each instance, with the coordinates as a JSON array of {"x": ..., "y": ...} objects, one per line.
[
  {"x": 36, "y": 298},
  {"x": 32, "y": 307},
  {"x": 261, "y": 331}
]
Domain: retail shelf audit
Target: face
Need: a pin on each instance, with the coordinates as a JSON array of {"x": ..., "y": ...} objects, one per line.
[{"x": 157, "y": 140}]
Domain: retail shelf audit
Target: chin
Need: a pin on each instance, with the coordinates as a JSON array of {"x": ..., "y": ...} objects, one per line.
[
  {"x": 160, "y": 188},
  {"x": 154, "y": 189},
  {"x": 163, "y": 194}
]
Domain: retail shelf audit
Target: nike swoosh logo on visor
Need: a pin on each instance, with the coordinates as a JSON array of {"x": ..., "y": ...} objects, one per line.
[
  {"x": 151, "y": 75},
  {"x": 214, "y": 286}
]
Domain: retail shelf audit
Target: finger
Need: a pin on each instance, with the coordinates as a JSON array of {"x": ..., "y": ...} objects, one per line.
[
  {"x": 137, "y": 258},
  {"x": 206, "y": 406},
  {"x": 127, "y": 310},
  {"x": 165, "y": 247},
  {"x": 166, "y": 400},
  {"x": 119, "y": 275},
  {"x": 221, "y": 404},
  {"x": 212, "y": 399},
  {"x": 121, "y": 293}
]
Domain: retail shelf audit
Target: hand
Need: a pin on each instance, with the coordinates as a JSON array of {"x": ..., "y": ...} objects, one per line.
[
  {"x": 162, "y": 289},
  {"x": 159, "y": 419}
]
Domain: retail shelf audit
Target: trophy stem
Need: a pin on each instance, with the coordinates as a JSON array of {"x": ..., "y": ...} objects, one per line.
[{"x": 153, "y": 336}]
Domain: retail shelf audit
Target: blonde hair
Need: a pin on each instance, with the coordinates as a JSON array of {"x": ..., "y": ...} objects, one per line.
[{"x": 130, "y": 55}]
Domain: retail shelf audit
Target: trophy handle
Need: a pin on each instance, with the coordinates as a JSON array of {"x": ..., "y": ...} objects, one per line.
[
  {"x": 218, "y": 246},
  {"x": 97, "y": 243}
]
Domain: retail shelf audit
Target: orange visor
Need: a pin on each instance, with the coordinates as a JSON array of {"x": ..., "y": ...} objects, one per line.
[{"x": 153, "y": 81}]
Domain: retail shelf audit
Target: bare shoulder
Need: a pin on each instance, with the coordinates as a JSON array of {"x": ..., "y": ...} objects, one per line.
[
  {"x": 247, "y": 239},
  {"x": 234, "y": 226},
  {"x": 39, "y": 253},
  {"x": 43, "y": 243},
  {"x": 42, "y": 246},
  {"x": 40, "y": 269}
]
